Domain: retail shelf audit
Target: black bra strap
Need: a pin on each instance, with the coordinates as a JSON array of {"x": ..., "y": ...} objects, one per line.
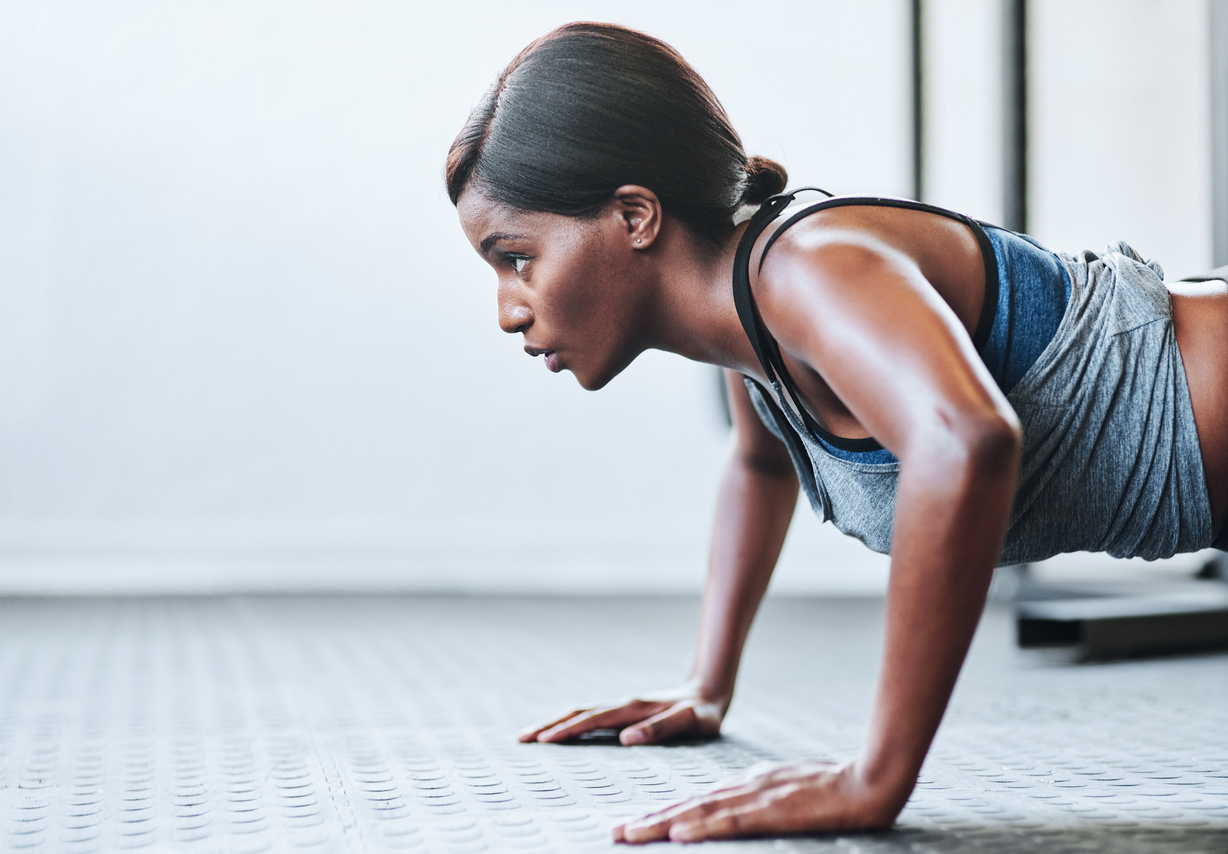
[
  {"x": 761, "y": 340},
  {"x": 748, "y": 312},
  {"x": 765, "y": 345}
]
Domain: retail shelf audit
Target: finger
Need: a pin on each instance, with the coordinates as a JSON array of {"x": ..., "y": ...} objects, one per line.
[
  {"x": 747, "y": 820},
  {"x": 773, "y": 811},
  {"x": 676, "y": 720},
  {"x": 658, "y": 825},
  {"x": 719, "y": 799},
  {"x": 531, "y": 733},
  {"x": 618, "y": 716},
  {"x": 653, "y": 826}
]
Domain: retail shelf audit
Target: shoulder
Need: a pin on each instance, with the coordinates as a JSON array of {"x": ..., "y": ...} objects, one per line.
[
  {"x": 821, "y": 255},
  {"x": 855, "y": 257},
  {"x": 850, "y": 234}
]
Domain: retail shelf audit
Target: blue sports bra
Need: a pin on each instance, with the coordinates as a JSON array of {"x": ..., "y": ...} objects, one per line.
[{"x": 1026, "y": 292}]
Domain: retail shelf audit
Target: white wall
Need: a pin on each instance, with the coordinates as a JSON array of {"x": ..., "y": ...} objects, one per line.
[
  {"x": 243, "y": 341},
  {"x": 963, "y": 106},
  {"x": 1119, "y": 122},
  {"x": 1121, "y": 130},
  {"x": 244, "y": 345}
]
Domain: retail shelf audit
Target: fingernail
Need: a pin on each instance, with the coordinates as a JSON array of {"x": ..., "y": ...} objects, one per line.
[{"x": 631, "y": 736}]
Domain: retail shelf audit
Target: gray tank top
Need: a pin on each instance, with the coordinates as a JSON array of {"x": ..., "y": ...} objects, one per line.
[{"x": 1111, "y": 460}]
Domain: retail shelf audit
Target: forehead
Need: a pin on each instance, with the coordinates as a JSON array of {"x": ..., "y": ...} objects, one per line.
[{"x": 482, "y": 216}]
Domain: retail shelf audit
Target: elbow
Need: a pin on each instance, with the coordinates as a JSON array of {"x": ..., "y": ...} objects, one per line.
[
  {"x": 992, "y": 443},
  {"x": 765, "y": 459},
  {"x": 773, "y": 466},
  {"x": 983, "y": 445}
]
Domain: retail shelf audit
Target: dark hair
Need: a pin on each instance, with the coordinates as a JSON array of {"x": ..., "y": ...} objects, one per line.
[{"x": 590, "y": 107}]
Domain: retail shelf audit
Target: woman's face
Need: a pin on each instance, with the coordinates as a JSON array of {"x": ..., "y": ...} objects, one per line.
[{"x": 563, "y": 283}]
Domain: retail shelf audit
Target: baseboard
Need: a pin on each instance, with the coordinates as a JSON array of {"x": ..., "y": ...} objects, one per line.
[{"x": 503, "y": 556}]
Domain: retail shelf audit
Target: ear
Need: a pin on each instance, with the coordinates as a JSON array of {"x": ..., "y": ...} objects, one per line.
[{"x": 638, "y": 214}]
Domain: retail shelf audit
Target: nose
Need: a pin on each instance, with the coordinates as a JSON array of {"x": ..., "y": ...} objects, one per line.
[{"x": 514, "y": 314}]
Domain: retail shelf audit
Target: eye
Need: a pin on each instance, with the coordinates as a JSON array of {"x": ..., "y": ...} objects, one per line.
[{"x": 517, "y": 262}]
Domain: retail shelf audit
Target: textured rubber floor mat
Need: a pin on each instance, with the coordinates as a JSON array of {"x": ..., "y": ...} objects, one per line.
[{"x": 363, "y": 724}]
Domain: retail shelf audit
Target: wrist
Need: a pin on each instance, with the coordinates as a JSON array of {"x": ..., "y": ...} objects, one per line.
[
  {"x": 718, "y": 692},
  {"x": 888, "y": 780}
]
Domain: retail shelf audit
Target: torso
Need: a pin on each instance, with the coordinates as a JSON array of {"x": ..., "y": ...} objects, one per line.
[{"x": 949, "y": 256}]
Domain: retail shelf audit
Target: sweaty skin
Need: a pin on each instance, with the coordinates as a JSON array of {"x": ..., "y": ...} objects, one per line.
[{"x": 873, "y": 310}]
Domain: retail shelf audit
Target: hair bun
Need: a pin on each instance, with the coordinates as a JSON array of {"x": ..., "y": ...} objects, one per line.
[{"x": 764, "y": 178}]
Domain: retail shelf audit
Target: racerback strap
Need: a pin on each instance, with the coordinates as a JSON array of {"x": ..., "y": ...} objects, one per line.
[{"x": 765, "y": 346}]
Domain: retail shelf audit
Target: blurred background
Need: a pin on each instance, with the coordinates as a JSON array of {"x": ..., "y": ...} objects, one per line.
[{"x": 245, "y": 346}]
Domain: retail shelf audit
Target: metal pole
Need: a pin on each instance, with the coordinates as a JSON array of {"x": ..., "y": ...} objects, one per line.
[
  {"x": 918, "y": 100},
  {"x": 1219, "y": 129},
  {"x": 1015, "y": 114}
]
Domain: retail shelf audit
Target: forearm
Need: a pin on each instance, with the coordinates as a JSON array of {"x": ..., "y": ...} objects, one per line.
[
  {"x": 754, "y": 508},
  {"x": 951, "y": 519}
]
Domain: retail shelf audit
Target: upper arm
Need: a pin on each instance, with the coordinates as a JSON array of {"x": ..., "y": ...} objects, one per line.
[
  {"x": 755, "y": 445},
  {"x": 862, "y": 315}
]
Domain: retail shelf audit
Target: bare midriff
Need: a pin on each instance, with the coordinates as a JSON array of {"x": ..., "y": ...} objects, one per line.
[{"x": 1200, "y": 321}]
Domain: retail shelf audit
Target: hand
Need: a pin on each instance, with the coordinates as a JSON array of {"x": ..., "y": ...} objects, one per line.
[
  {"x": 647, "y": 720},
  {"x": 797, "y": 797}
]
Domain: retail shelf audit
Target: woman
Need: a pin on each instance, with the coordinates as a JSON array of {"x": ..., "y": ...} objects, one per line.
[{"x": 948, "y": 392}]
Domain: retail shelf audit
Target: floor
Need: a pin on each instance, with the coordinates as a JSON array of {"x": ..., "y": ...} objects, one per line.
[{"x": 384, "y": 723}]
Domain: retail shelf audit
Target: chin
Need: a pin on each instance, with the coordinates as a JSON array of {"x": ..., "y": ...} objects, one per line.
[{"x": 592, "y": 383}]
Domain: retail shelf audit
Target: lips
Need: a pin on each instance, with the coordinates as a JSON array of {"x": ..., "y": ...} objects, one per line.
[{"x": 553, "y": 363}]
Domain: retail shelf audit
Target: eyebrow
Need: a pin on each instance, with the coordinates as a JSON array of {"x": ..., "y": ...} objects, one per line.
[{"x": 491, "y": 239}]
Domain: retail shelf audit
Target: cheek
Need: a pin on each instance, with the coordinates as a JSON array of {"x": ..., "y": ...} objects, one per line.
[{"x": 584, "y": 299}]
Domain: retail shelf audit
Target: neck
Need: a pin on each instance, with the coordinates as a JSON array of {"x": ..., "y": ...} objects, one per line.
[{"x": 694, "y": 313}]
